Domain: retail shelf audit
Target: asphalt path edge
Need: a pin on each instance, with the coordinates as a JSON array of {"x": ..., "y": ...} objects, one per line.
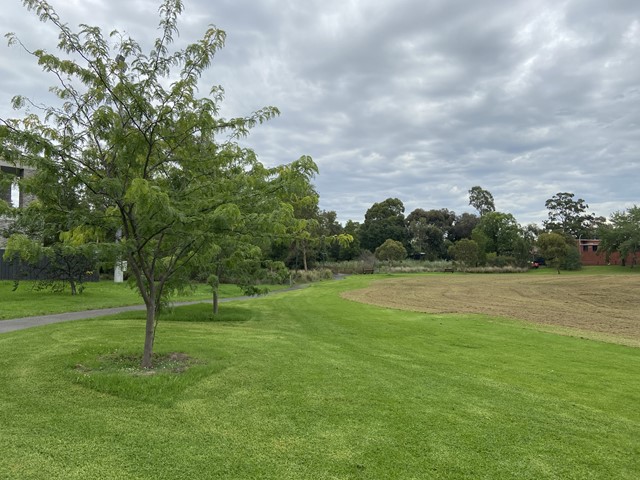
[{"x": 13, "y": 324}]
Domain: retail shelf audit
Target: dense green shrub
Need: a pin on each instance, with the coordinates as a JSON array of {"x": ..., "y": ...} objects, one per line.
[
  {"x": 505, "y": 269},
  {"x": 572, "y": 260},
  {"x": 465, "y": 252},
  {"x": 494, "y": 260},
  {"x": 415, "y": 266},
  {"x": 391, "y": 251}
]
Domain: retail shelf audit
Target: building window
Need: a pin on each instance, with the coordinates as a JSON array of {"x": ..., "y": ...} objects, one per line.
[
  {"x": 594, "y": 248},
  {"x": 585, "y": 248}
]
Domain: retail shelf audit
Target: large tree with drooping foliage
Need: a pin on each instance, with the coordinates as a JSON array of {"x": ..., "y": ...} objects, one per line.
[
  {"x": 429, "y": 231},
  {"x": 131, "y": 138},
  {"x": 312, "y": 234}
]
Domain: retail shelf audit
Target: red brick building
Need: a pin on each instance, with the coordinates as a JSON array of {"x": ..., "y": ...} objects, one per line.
[{"x": 590, "y": 255}]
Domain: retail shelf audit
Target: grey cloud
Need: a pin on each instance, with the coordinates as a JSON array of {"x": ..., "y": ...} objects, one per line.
[{"x": 419, "y": 99}]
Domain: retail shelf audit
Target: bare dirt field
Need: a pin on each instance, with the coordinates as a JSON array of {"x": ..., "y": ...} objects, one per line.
[{"x": 605, "y": 305}]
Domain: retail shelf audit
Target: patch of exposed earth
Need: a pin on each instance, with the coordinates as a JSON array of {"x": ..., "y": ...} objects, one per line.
[{"x": 606, "y": 305}]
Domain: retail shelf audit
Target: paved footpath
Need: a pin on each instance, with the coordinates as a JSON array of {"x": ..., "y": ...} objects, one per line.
[{"x": 28, "y": 322}]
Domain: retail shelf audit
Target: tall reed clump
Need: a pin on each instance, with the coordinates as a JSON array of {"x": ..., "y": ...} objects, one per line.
[{"x": 309, "y": 276}]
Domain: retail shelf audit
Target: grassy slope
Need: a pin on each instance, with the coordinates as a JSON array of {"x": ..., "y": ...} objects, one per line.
[
  {"x": 27, "y": 302},
  {"x": 307, "y": 385}
]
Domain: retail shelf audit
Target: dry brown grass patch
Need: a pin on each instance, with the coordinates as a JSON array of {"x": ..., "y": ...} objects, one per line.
[{"x": 605, "y": 305}]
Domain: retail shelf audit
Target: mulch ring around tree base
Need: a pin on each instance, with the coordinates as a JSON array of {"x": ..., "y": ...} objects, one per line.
[{"x": 127, "y": 363}]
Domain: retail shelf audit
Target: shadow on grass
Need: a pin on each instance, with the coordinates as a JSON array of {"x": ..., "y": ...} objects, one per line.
[
  {"x": 202, "y": 313},
  {"x": 117, "y": 372}
]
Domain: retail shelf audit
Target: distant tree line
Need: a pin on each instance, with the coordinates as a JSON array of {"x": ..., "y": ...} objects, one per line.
[{"x": 488, "y": 237}]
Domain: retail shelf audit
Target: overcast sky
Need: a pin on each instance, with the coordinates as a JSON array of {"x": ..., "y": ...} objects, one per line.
[{"x": 414, "y": 99}]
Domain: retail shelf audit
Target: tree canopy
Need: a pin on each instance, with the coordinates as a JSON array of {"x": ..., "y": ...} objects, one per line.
[
  {"x": 568, "y": 215},
  {"x": 501, "y": 231},
  {"x": 391, "y": 250},
  {"x": 463, "y": 226},
  {"x": 622, "y": 234},
  {"x": 481, "y": 200},
  {"x": 427, "y": 239},
  {"x": 133, "y": 147},
  {"x": 382, "y": 221},
  {"x": 554, "y": 248},
  {"x": 465, "y": 252}
]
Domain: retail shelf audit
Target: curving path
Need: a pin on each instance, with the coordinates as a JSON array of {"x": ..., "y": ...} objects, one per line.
[
  {"x": 28, "y": 322},
  {"x": 13, "y": 324}
]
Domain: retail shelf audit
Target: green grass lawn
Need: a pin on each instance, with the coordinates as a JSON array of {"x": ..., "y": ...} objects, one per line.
[
  {"x": 306, "y": 385},
  {"x": 105, "y": 294}
]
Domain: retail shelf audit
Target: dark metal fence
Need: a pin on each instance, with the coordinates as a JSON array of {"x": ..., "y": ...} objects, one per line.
[{"x": 16, "y": 270}]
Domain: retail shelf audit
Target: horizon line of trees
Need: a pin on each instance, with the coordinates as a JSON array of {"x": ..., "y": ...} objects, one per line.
[{"x": 488, "y": 237}]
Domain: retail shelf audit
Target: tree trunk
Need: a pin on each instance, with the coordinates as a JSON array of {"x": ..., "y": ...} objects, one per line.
[
  {"x": 149, "y": 335},
  {"x": 215, "y": 302},
  {"x": 304, "y": 257}
]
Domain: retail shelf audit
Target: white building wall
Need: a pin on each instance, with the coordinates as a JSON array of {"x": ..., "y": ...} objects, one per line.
[{"x": 17, "y": 197}]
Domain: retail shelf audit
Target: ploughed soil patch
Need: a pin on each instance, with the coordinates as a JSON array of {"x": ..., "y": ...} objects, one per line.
[{"x": 607, "y": 305}]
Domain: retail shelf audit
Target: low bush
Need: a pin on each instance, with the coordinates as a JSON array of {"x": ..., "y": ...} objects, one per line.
[
  {"x": 502, "y": 265},
  {"x": 404, "y": 266},
  {"x": 505, "y": 269},
  {"x": 309, "y": 276},
  {"x": 350, "y": 267},
  {"x": 415, "y": 266}
]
